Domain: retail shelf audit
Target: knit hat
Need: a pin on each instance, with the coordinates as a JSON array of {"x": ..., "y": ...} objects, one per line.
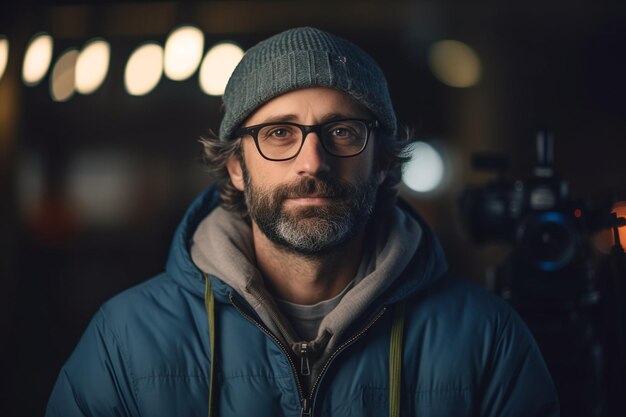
[{"x": 301, "y": 58}]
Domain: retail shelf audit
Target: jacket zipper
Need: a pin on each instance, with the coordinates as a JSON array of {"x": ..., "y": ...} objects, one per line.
[
  {"x": 305, "y": 368},
  {"x": 306, "y": 409},
  {"x": 335, "y": 353},
  {"x": 280, "y": 344}
]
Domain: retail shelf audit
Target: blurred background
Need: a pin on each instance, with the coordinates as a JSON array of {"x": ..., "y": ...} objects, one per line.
[{"x": 518, "y": 110}]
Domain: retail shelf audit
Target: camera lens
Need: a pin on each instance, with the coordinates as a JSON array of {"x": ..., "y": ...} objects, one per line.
[{"x": 547, "y": 240}]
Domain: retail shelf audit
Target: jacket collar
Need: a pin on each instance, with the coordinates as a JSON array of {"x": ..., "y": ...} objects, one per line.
[{"x": 425, "y": 268}]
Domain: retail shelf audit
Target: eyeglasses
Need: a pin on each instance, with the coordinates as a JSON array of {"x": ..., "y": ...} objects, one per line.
[{"x": 282, "y": 141}]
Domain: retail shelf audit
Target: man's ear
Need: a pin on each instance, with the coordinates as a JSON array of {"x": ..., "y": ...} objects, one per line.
[{"x": 235, "y": 172}]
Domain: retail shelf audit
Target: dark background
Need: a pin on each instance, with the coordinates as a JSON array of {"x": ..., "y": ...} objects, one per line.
[{"x": 557, "y": 64}]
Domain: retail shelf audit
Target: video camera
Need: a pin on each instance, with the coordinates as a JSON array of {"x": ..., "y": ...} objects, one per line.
[
  {"x": 550, "y": 232},
  {"x": 571, "y": 299}
]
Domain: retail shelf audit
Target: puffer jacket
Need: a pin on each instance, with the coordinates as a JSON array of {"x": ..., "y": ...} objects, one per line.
[{"x": 146, "y": 352}]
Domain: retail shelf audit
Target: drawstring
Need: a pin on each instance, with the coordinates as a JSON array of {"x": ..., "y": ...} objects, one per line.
[
  {"x": 209, "y": 304},
  {"x": 395, "y": 359}
]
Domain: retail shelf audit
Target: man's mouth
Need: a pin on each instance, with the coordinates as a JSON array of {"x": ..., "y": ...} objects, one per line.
[{"x": 310, "y": 200}]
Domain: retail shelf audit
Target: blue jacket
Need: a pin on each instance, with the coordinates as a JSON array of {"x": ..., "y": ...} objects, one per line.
[{"x": 146, "y": 352}]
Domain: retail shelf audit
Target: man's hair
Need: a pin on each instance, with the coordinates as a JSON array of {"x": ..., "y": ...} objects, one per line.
[{"x": 392, "y": 151}]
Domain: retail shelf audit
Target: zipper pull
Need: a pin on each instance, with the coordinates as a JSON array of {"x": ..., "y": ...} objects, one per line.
[
  {"x": 306, "y": 408},
  {"x": 305, "y": 368}
]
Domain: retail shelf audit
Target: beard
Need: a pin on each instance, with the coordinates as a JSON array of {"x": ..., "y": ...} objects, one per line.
[{"x": 312, "y": 231}]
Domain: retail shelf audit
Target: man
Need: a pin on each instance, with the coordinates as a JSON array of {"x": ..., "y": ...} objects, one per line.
[{"x": 299, "y": 286}]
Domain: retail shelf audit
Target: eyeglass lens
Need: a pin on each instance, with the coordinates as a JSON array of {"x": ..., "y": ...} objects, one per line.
[{"x": 340, "y": 138}]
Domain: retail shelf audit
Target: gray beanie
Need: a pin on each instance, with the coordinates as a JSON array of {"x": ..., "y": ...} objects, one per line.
[{"x": 301, "y": 58}]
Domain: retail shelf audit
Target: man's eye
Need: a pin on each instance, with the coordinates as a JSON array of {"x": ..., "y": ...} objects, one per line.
[
  {"x": 279, "y": 133},
  {"x": 342, "y": 132}
]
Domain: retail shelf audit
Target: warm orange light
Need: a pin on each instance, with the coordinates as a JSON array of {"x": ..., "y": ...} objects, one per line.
[{"x": 619, "y": 209}]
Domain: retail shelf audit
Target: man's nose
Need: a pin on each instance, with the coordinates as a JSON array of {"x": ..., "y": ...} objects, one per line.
[{"x": 312, "y": 158}]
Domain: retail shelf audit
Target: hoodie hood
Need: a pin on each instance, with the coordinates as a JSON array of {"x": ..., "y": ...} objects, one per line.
[
  {"x": 222, "y": 247},
  {"x": 405, "y": 258}
]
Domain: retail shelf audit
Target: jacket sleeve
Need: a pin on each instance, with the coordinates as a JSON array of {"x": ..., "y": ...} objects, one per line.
[
  {"x": 518, "y": 383},
  {"x": 96, "y": 379}
]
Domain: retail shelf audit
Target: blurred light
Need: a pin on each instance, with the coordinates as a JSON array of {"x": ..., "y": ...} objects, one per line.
[
  {"x": 63, "y": 76},
  {"x": 144, "y": 69},
  {"x": 92, "y": 66},
  {"x": 183, "y": 52},
  {"x": 37, "y": 59},
  {"x": 217, "y": 67},
  {"x": 101, "y": 185},
  {"x": 4, "y": 54},
  {"x": 619, "y": 209},
  {"x": 454, "y": 63},
  {"x": 424, "y": 172}
]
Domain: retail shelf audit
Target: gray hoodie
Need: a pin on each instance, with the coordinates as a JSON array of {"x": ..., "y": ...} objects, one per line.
[{"x": 397, "y": 237}]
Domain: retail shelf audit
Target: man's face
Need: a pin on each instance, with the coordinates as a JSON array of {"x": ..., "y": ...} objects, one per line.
[{"x": 314, "y": 202}]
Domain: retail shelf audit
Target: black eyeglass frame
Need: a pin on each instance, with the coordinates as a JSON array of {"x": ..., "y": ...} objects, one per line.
[{"x": 253, "y": 131}]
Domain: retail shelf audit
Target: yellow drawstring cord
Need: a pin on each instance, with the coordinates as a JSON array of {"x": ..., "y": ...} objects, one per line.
[
  {"x": 395, "y": 359},
  {"x": 209, "y": 304}
]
